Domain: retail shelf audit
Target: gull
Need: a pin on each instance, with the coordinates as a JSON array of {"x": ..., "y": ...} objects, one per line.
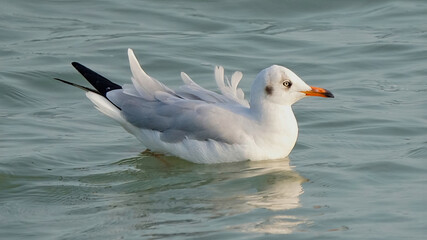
[{"x": 200, "y": 125}]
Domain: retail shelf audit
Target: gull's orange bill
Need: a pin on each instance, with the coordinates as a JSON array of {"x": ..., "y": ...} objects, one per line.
[{"x": 318, "y": 92}]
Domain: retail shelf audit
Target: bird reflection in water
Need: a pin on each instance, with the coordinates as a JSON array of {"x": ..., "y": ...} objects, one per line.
[{"x": 176, "y": 197}]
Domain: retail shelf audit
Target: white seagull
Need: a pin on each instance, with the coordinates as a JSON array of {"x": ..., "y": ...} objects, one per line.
[{"x": 200, "y": 125}]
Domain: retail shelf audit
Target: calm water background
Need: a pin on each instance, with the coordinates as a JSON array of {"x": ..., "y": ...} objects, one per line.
[{"x": 358, "y": 170}]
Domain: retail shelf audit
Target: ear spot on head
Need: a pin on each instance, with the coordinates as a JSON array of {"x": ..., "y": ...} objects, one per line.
[{"x": 269, "y": 90}]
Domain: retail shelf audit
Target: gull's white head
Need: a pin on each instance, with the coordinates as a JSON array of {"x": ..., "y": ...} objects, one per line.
[{"x": 279, "y": 85}]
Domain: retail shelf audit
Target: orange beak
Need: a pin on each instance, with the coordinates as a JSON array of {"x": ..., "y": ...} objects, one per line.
[{"x": 318, "y": 92}]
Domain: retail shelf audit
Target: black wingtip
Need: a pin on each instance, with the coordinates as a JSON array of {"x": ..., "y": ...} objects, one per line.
[
  {"x": 100, "y": 83},
  {"x": 76, "y": 85}
]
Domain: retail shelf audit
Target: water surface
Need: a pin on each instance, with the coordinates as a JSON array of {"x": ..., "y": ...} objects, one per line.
[{"x": 358, "y": 170}]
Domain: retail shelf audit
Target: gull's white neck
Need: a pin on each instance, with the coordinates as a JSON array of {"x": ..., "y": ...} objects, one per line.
[
  {"x": 276, "y": 117},
  {"x": 278, "y": 127}
]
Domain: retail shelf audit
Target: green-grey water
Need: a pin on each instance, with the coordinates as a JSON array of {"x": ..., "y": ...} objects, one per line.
[{"x": 358, "y": 170}]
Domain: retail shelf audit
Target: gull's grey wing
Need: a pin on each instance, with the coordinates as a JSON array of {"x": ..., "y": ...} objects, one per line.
[
  {"x": 146, "y": 86},
  {"x": 178, "y": 118}
]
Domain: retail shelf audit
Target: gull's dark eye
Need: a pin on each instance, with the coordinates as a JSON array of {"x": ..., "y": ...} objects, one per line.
[{"x": 287, "y": 83}]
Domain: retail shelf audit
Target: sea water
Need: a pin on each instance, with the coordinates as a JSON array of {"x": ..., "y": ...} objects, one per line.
[{"x": 358, "y": 170}]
